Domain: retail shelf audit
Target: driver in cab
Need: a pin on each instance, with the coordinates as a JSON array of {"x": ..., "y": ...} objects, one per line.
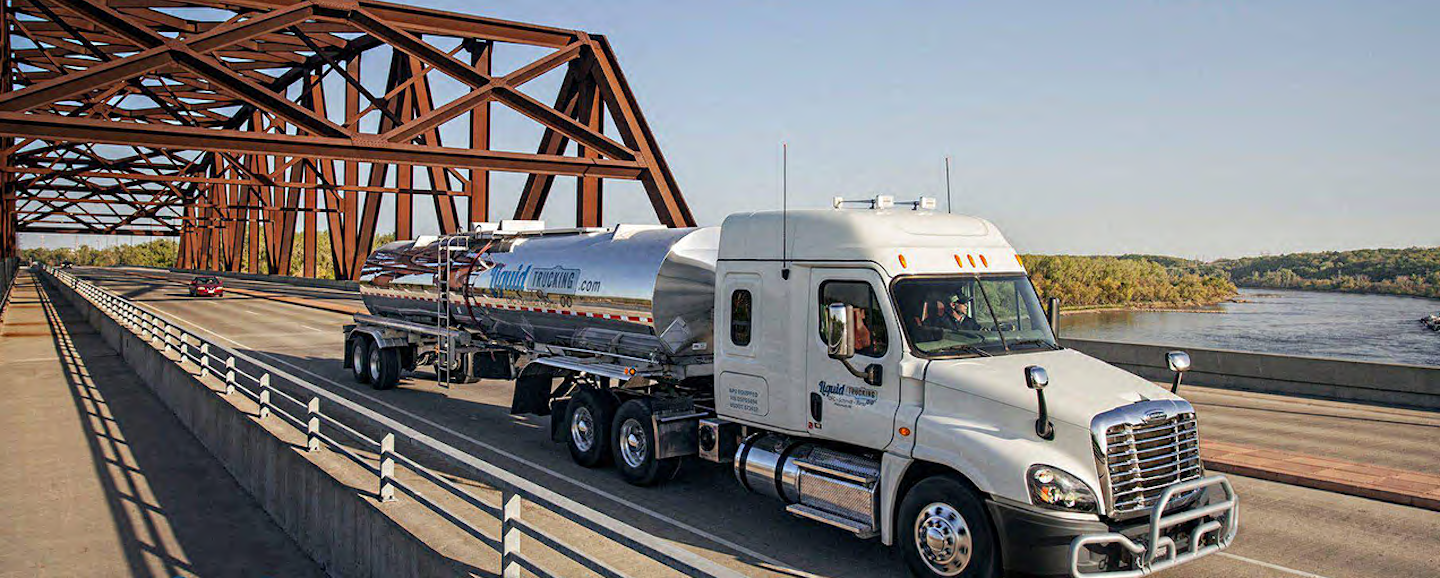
[{"x": 956, "y": 317}]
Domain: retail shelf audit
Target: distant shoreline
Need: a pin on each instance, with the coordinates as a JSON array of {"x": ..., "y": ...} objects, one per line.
[
  {"x": 1146, "y": 307},
  {"x": 1349, "y": 291}
]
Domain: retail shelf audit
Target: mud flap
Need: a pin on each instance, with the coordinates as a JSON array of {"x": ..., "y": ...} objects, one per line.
[
  {"x": 559, "y": 409},
  {"x": 532, "y": 394}
]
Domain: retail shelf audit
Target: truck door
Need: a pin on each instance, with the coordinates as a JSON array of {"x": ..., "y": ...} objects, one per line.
[{"x": 843, "y": 407}]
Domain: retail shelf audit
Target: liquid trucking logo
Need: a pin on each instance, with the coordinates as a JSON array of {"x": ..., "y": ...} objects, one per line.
[
  {"x": 511, "y": 280},
  {"x": 553, "y": 280},
  {"x": 526, "y": 278},
  {"x": 848, "y": 395}
]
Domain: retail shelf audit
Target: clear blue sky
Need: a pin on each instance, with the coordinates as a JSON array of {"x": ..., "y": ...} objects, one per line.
[{"x": 1202, "y": 129}]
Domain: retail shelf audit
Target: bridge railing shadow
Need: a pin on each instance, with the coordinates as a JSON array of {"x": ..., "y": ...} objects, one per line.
[{"x": 172, "y": 516}]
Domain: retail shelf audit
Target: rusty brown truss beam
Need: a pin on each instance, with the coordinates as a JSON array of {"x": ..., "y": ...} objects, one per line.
[
  {"x": 49, "y": 127},
  {"x": 84, "y": 231}
]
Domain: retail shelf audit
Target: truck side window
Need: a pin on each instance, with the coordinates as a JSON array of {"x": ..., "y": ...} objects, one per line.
[
  {"x": 871, "y": 339},
  {"x": 740, "y": 317}
]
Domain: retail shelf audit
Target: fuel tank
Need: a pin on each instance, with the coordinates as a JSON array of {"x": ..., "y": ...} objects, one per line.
[{"x": 636, "y": 290}]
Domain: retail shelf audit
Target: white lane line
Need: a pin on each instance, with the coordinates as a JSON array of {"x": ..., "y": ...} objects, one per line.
[
  {"x": 311, "y": 328},
  {"x": 1265, "y": 564},
  {"x": 777, "y": 565}
]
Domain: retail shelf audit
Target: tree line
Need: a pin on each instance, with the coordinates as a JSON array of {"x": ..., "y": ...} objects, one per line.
[
  {"x": 164, "y": 252},
  {"x": 1414, "y": 271},
  {"x": 1101, "y": 281}
]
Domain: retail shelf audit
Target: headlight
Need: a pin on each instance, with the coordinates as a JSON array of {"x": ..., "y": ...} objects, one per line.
[{"x": 1053, "y": 488}]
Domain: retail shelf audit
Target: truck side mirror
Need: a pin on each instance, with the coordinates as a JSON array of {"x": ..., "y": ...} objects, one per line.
[
  {"x": 839, "y": 334},
  {"x": 1053, "y": 316},
  {"x": 1037, "y": 379},
  {"x": 1178, "y": 362}
]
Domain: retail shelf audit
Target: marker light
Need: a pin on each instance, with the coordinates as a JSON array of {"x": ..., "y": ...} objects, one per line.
[
  {"x": 905, "y": 432},
  {"x": 927, "y": 203},
  {"x": 972, "y": 259},
  {"x": 884, "y": 202},
  {"x": 1017, "y": 260},
  {"x": 959, "y": 263},
  {"x": 902, "y": 263},
  {"x": 983, "y": 261}
]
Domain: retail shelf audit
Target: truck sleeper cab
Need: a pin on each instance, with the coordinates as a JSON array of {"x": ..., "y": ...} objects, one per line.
[{"x": 888, "y": 371}]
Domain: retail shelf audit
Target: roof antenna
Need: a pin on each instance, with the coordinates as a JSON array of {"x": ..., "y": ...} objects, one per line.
[
  {"x": 948, "y": 208},
  {"x": 784, "y": 211}
]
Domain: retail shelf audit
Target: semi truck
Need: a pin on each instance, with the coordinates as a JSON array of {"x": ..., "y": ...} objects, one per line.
[{"x": 886, "y": 369}]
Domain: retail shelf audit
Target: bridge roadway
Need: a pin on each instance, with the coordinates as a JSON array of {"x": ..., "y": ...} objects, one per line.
[{"x": 1285, "y": 530}]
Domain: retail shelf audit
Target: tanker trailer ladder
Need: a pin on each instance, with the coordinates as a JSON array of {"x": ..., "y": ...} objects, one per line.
[
  {"x": 403, "y": 462},
  {"x": 445, "y": 347}
]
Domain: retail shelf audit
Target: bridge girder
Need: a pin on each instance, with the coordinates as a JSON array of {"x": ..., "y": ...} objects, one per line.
[{"x": 228, "y": 122}]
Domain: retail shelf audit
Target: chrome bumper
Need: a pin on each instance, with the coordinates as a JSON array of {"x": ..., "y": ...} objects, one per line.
[{"x": 1160, "y": 552}]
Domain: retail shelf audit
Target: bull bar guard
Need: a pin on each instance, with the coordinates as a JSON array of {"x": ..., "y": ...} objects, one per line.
[{"x": 1161, "y": 553}]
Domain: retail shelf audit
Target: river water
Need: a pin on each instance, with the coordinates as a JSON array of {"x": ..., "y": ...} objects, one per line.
[{"x": 1380, "y": 328}]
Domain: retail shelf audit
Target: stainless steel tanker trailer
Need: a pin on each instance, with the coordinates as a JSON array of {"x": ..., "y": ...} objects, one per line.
[{"x": 887, "y": 371}]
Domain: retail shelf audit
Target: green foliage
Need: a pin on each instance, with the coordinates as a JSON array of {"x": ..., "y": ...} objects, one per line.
[
  {"x": 1414, "y": 271},
  {"x": 158, "y": 253},
  {"x": 1097, "y": 281}
]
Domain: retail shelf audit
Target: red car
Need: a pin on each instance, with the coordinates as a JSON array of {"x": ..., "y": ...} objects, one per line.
[{"x": 206, "y": 286}]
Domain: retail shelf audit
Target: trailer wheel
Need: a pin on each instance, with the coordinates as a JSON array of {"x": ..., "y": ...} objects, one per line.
[
  {"x": 359, "y": 352},
  {"x": 384, "y": 366},
  {"x": 943, "y": 531},
  {"x": 588, "y": 417},
  {"x": 634, "y": 446}
]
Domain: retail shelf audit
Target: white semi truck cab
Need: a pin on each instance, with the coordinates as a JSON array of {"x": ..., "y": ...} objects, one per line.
[{"x": 889, "y": 371}]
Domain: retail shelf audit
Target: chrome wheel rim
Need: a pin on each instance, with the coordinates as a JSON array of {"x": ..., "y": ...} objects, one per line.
[
  {"x": 375, "y": 364},
  {"x": 582, "y": 429},
  {"x": 357, "y": 361},
  {"x": 634, "y": 446},
  {"x": 943, "y": 539}
]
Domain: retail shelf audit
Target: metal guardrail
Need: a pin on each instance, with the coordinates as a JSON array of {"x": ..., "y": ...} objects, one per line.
[
  {"x": 9, "y": 270},
  {"x": 215, "y": 360}
]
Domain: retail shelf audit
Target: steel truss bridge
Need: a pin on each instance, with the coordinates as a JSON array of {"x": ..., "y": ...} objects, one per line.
[{"x": 226, "y": 122}]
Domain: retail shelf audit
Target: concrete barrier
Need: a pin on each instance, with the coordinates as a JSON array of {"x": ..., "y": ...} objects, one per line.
[
  {"x": 1380, "y": 383},
  {"x": 299, "y": 281},
  {"x": 338, "y": 525}
]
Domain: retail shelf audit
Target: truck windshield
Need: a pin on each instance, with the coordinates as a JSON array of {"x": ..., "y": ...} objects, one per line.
[{"x": 972, "y": 315}]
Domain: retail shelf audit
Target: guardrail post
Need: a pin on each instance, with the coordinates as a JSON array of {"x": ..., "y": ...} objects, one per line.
[
  {"x": 184, "y": 348},
  {"x": 230, "y": 375},
  {"x": 509, "y": 534},
  {"x": 264, "y": 396},
  {"x": 312, "y": 427},
  {"x": 204, "y": 360},
  {"x": 387, "y": 468}
]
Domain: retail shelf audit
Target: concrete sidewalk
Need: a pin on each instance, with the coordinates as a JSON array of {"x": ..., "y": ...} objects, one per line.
[{"x": 99, "y": 478}]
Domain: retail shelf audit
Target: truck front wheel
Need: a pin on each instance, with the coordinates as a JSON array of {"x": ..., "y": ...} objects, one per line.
[
  {"x": 588, "y": 417},
  {"x": 634, "y": 446},
  {"x": 943, "y": 531}
]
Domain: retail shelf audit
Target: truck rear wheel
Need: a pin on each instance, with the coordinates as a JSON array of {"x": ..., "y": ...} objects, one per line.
[
  {"x": 384, "y": 366},
  {"x": 634, "y": 446},
  {"x": 359, "y": 352},
  {"x": 943, "y": 531},
  {"x": 588, "y": 417}
]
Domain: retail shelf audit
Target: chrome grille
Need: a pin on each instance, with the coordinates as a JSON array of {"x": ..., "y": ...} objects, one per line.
[{"x": 1144, "y": 448}]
